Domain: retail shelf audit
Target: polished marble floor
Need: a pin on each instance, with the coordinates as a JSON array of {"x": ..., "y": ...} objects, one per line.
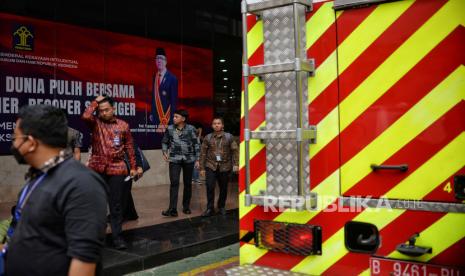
[
  {"x": 160, "y": 244},
  {"x": 155, "y": 240}
]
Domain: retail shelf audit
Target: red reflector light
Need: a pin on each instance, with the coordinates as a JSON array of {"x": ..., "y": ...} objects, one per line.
[{"x": 298, "y": 239}]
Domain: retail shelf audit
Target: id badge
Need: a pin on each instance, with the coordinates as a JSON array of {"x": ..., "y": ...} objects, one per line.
[{"x": 218, "y": 158}]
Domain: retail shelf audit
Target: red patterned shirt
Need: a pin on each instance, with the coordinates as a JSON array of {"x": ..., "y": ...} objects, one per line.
[{"x": 109, "y": 142}]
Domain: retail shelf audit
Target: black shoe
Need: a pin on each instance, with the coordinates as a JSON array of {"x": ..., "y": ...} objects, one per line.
[
  {"x": 208, "y": 213},
  {"x": 119, "y": 244},
  {"x": 187, "y": 211},
  {"x": 170, "y": 213},
  {"x": 222, "y": 211}
]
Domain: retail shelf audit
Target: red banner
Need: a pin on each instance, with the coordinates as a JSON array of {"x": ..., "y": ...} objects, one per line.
[{"x": 43, "y": 62}]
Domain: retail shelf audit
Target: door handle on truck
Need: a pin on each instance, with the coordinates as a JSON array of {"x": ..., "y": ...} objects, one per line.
[{"x": 401, "y": 167}]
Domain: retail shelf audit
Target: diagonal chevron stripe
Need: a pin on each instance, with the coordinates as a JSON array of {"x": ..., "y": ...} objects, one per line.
[
  {"x": 256, "y": 93},
  {"x": 424, "y": 113},
  {"x": 367, "y": 32},
  {"x": 414, "y": 221},
  {"x": 428, "y": 36},
  {"x": 323, "y": 18},
  {"x": 255, "y": 188},
  {"x": 402, "y": 60},
  {"x": 441, "y": 235},
  {"x": 430, "y": 177},
  {"x": 250, "y": 254},
  {"x": 334, "y": 248},
  {"x": 255, "y": 147},
  {"x": 254, "y": 38}
]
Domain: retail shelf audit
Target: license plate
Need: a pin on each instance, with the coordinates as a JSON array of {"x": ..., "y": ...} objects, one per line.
[{"x": 392, "y": 267}]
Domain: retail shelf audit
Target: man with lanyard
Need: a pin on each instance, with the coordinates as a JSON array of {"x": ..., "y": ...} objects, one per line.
[
  {"x": 181, "y": 149},
  {"x": 58, "y": 227},
  {"x": 164, "y": 93},
  {"x": 111, "y": 139},
  {"x": 218, "y": 155}
]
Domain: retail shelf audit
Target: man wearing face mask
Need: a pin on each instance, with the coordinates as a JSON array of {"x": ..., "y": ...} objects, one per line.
[
  {"x": 111, "y": 139},
  {"x": 59, "y": 224}
]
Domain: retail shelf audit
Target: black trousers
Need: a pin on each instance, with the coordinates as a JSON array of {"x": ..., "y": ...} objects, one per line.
[
  {"x": 115, "y": 201},
  {"x": 175, "y": 173},
  {"x": 128, "y": 209},
  {"x": 211, "y": 178}
]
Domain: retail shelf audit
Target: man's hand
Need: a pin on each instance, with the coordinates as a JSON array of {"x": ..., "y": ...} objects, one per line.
[
  {"x": 202, "y": 173},
  {"x": 165, "y": 156},
  {"x": 133, "y": 173},
  {"x": 235, "y": 169},
  {"x": 197, "y": 164},
  {"x": 99, "y": 98},
  {"x": 140, "y": 172}
]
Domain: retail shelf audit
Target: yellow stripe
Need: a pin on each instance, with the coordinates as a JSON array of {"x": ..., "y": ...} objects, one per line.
[
  {"x": 355, "y": 44},
  {"x": 328, "y": 128},
  {"x": 256, "y": 92},
  {"x": 255, "y": 147},
  {"x": 334, "y": 249},
  {"x": 210, "y": 266},
  {"x": 255, "y": 188},
  {"x": 254, "y": 38},
  {"x": 441, "y": 235},
  {"x": 358, "y": 103},
  {"x": 435, "y": 171},
  {"x": 440, "y": 100},
  {"x": 401, "y": 61},
  {"x": 317, "y": 25},
  {"x": 249, "y": 254},
  {"x": 242, "y": 233}
]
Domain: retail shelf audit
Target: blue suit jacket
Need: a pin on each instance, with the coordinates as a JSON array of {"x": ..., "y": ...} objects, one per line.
[{"x": 168, "y": 91}]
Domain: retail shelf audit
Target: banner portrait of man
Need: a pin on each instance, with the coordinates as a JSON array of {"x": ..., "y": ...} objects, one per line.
[{"x": 164, "y": 93}]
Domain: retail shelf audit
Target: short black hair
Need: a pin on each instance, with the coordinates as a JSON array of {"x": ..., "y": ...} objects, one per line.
[
  {"x": 108, "y": 99},
  {"x": 182, "y": 112},
  {"x": 218, "y": 118},
  {"x": 45, "y": 123}
]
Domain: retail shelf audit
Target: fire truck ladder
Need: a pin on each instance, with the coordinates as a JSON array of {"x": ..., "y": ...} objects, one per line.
[{"x": 287, "y": 133}]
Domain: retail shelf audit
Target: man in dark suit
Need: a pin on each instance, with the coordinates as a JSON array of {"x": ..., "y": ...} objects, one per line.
[{"x": 164, "y": 93}]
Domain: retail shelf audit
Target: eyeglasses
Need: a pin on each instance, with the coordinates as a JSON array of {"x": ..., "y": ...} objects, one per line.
[
  {"x": 14, "y": 137},
  {"x": 160, "y": 58}
]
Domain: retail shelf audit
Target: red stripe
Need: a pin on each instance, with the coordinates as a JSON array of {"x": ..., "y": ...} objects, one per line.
[
  {"x": 415, "y": 154},
  {"x": 446, "y": 194},
  {"x": 397, "y": 232},
  {"x": 368, "y": 126},
  {"x": 374, "y": 55},
  {"x": 453, "y": 255},
  {"x": 258, "y": 167},
  {"x": 407, "y": 91},
  {"x": 412, "y": 19},
  {"x": 251, "y": 21},
  {"x": 258, "y": 212},
  {"x": 321, "y": 49},
  {"x": 258, "y": 57}
]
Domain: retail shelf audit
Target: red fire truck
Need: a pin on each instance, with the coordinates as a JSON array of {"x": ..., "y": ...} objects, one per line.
[{"x": 353, "y": 142}]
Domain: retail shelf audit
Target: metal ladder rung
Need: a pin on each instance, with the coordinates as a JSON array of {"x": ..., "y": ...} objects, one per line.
[
  {"x": 257, "y": 7},
  {"x": 307, "y": 65}
]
